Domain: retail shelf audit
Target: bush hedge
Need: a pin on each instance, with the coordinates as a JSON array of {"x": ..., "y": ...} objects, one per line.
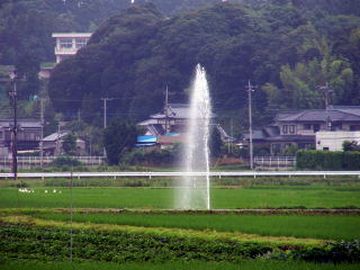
[
  {"x": 152, "y": 157},
  {"x": 65, "y": 161},
  {"x": 326, "y": 160}
]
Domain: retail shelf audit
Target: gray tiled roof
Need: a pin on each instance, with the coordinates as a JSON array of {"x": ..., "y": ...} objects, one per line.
[
  {"x": 257, "y": 134},
  {"x": 292, "y": 138},
  {"x": 355, "y": 110},
  {"x": 177, "y": 111},
  {"x": 55, "y": 136},
  {"x": 6, "y": 123},
  {"x": 344, "y": 114}
]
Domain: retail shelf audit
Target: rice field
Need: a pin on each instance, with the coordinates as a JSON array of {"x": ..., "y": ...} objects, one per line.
[
  {"x": 302, "y": 226},
  {"x": 178, "y": 239},
  {"x": 259, "y": 196},
  {"x": 244, "y": 265}
]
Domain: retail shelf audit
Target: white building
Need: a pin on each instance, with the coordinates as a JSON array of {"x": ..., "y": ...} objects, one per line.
[
  {"x": 67, "y": 44},
  {"x": 333, "y": 140}
]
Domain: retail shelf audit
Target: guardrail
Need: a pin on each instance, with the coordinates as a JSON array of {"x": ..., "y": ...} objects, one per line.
[{"x": 150, "y": 175}]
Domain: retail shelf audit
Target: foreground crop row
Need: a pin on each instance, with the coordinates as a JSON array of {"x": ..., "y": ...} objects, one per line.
[
  {"x": 24, "y": 237},
  {"x": 175, "y": 265}
]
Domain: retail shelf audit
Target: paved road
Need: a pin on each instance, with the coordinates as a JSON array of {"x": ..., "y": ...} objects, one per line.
[{"x": 179, "y": 174}]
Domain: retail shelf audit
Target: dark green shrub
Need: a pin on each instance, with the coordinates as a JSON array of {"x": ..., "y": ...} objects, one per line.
[
  {"x": 326, "y": 160},
  {"x": 65, "y": 161},
  {"x": 351, "y": 160},
  {"x": 337, "y": 252},
  {"x": 153, "y": 157}
]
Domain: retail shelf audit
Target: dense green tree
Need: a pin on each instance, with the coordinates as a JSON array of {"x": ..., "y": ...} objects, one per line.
[
  {"x": 351, "y": 146},
  {"x": 119, "y": 137},
  {"x": 301, "y": 85},
  {"x": 215, "y": 143},
  {"x": 69, "y": 144}
]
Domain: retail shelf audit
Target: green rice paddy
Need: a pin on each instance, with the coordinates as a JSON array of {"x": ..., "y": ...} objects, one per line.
[
  {"x": 147, "y": 202},
  {"x": 260, "y": 196},
  {"x": 244, "y": 265},
  {"x": 303, "y": 226}
]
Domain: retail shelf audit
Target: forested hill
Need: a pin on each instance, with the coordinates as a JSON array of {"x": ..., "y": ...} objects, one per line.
[
  {"x": 287, "y": 48},
  {"x": 26, "y": 27}
]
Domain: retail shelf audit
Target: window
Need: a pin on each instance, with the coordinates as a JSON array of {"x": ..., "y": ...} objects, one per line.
[
  {"x": 307, "y": 146},
  {"x": 326, "y": 148},
  {"x": 81, "y": 42},
  {"x": 275, "y": 148},
  {"x": 316, "y": 127},
  {"x": 307, "y": 126},
  {"x": 336, "y": 126},
  {"x": 292, "y": 129},
  {"x": 354, "y": 127},
  {"x": 285, "y": 129},
  {"x": 63, "y": 57},
  {"x": 66, "y": 43}
]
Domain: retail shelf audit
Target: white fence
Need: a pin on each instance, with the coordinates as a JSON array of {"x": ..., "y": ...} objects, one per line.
[
  {"x": 272, "y": 162},
  {"x": 150, "y": 175},
  {"x": 33, "y": 162}
]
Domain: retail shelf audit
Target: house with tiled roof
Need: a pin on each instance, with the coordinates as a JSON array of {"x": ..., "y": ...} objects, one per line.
[
  {"x": 299, "y": 128},
  {"x": 171, "y": 120},
  {"x": 28, "y": 136},
  {"x": 168, "y": 126}
]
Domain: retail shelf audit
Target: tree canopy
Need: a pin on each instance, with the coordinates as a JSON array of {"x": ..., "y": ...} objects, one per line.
[
  {"x": 287, "y": 48},
  {"x": 119, "y": 137}
]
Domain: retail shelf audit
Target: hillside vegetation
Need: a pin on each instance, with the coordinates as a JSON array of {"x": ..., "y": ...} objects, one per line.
[{"x": 287, "y": 48}]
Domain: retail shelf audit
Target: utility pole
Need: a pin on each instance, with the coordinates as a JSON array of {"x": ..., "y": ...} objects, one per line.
[
  {"x": 79, "y": 116},
  {"x": 167, "y": 124},
  {"x": 326, "y": 91},
  {"x": 58, "y": 146},
  {"x": 42, "y": 132},
  {"x": 13, "y": 95},
  {"x": 105, "y": 100},
  {"x": 250, "y": 89},
  {"x": 231, "y": 135}
]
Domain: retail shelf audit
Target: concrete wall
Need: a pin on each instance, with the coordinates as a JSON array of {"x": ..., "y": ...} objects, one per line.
[{"x": 333, "y": 140}]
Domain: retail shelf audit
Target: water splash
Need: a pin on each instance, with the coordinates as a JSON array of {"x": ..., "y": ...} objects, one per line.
[{"x": 194, "y": 191}]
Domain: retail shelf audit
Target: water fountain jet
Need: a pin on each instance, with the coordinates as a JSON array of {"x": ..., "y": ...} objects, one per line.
[{"x": 194, "y": 191}]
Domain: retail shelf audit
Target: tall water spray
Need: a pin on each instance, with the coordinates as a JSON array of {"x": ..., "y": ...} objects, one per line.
[{"x": 194, "y": 191}]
